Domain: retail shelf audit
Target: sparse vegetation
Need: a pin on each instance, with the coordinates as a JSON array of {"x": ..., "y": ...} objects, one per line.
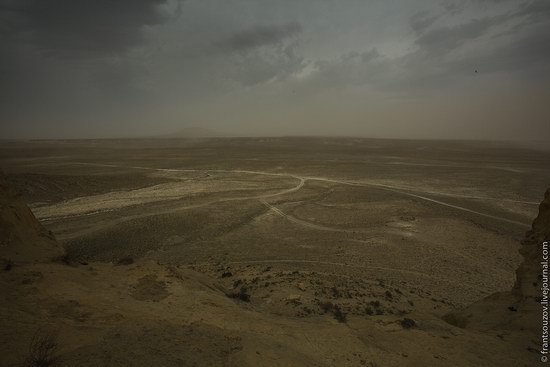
[
  {"x": 375, "y": 307},
  {"x": 329, "y": 307},
  {"x": 242, "y": 295},
  {"x": 325, "y": 306},
  {"x": 66, "y": 259},
  {"x": 336, "y": 292},
  {"x": 8, "y": 265},
  {"x": 339, "y": 315},
  {"x": 339, "y": 232},
  {"x": 43, "y": 350},
  {"x": 407, "y": 323}
]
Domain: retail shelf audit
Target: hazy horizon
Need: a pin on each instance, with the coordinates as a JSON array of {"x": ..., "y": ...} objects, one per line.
[{"x": 428, "y": 69}]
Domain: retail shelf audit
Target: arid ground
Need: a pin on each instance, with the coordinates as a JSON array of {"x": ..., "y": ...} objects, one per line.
[{"x": 326, "y": 233}]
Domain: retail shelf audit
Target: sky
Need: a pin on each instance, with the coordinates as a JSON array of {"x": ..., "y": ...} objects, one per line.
[{"x": 418, "y": 69}]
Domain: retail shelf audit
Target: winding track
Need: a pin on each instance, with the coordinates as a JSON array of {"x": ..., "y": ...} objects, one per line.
[
  {"x": 302, "y": 180},
  {"x": 402, "y": 192},
  {"x": 303, "y": 223}
]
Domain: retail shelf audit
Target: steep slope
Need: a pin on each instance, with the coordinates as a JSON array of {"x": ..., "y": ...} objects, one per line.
[
  {"x": 22, "y": 237},
  {"x": 517, "y": 313},
  {"x": 529, "y": 279}
]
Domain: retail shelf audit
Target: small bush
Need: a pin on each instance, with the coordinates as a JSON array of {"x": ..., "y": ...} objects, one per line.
[
  {"x": 125, "y": 261},
  {"x": 376, "y": 308},
  {"x": 66, "y": 259},
  {"x": 43, "y": 350},
  {"x": 8, "y": 265},
  {"x": 338, "y": 314},
  {"x": 242, "y": 295},
  {"x": 326, "y": 306},
  {"x": 336, "y": 311},
  {"x": 336, "y": 292},
  {"x": 407, "y": 323}
]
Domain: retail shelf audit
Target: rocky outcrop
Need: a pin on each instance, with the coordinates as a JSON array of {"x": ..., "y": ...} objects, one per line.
[
  {"x": 22, "y": 238},
  {"x": 519, "y": 308},
  {"x": 529, "y": 274}
]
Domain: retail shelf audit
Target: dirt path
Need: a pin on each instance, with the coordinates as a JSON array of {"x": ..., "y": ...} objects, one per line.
[
  {"x": 402, "y": 192},
  {"x": 304, "y": 223},
  {"x": 302, "y": 180}
]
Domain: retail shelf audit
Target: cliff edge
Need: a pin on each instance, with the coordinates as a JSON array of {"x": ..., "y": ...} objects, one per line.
[{"x": 22, "y": 238}]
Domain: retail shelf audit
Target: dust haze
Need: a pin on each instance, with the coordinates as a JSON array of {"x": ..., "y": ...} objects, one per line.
[{"x": 424, "y": 69}]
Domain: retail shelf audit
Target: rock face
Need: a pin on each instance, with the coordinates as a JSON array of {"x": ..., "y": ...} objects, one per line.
[
  {"x": 22, "y": 238},
  {"x": 520, "y": 308},
  {"x": 529, "y": 277}
]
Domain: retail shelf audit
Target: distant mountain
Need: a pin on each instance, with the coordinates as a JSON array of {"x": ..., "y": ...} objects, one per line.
[{"x": 192, "y": 132}]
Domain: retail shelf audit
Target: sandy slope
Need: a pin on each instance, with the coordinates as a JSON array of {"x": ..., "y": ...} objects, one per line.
[{"x": 145, "y": 314}]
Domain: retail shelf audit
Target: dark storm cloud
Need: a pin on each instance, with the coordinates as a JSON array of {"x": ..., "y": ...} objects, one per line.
[
  {"x": 70, "y": 64},
  {"x": 80, "y": 28},
  {"x": 69, "y": 60},
  {"x": 535, "y": 11},
  {"x": 527, "y": 53},
  {"x": 514, "y": 41},
  {"x": 260, "y": 53},
  {"x": 457, "y": 6},
  {"x": 422, "y": 20},
  {"x": 444, "y": 39},
  {"x": 275, "y": 62},
  {"x": 354, "y": 68},
  {"x": 260, "y": 36},
  {"x": 519, "y": 29}
]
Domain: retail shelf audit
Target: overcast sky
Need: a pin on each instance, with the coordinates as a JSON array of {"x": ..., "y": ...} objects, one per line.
[{"x": 375, "y": 68}]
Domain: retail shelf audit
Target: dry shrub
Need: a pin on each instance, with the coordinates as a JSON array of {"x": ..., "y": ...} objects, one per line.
[
  {"x": 242, "y": 295},
  {"x": 43, "y": 350}
]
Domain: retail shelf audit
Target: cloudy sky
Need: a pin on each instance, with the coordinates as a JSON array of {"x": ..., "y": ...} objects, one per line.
[{"x": 474, "y": 69}]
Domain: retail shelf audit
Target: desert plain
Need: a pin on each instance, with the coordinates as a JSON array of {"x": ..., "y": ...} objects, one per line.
[{"x": 315, "y": 251}]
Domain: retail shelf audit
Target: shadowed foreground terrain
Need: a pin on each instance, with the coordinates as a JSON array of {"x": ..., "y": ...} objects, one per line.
[{"x": 274, "y": 252}]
